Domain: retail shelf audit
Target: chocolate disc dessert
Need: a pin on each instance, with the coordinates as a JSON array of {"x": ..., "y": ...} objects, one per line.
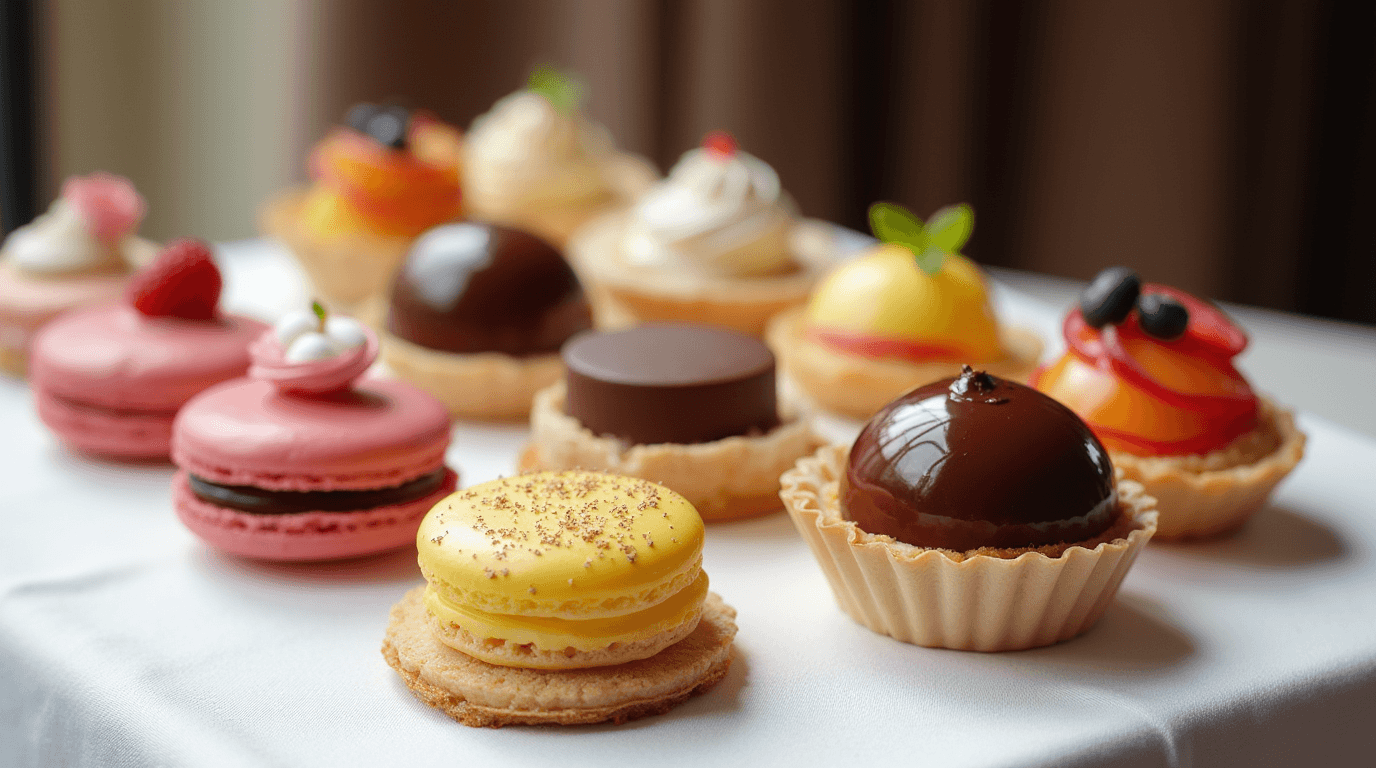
[
  {"x": 671, "y": 383},
  {"x": 477, "y": 315},
  {"x": 977, "y": 461},
  {"x": 972, "y": 513},
  {"x": 690, "y": 406}
]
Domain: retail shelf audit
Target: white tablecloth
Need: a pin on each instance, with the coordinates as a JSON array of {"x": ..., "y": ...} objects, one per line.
[{"x": 125, "y": 642}]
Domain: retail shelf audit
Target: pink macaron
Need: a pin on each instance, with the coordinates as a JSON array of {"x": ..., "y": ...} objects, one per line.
[
  {"x": 305, "y": 460},
  {"x": 109, "y": 380}
]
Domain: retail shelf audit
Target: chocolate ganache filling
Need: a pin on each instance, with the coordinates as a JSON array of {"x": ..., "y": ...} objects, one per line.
[
  {"x": 671, "y": 383},
  {"x": 260, "y": 501},
  {"x": 978, "y": 461},
  {"x": 475, "y": 287}
]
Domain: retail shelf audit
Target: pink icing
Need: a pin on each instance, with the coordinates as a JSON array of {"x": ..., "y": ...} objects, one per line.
[
  {"x": 114, "y": 357},
  {"x": 313, "y": 376},
  {"x": 109, "y": 204},
  {"x": 248, "y": 432},
  {"x": 306, "y": 535}
]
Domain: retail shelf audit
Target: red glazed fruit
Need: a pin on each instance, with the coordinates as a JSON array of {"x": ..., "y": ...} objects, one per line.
[{"x": 182, "y": 281}]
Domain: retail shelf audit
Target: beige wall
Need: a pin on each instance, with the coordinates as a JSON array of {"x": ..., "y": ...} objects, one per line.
[{"x": 200, "y": 102}]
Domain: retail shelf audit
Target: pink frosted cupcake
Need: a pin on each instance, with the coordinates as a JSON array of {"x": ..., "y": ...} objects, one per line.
[
  {"x": 303, "y": 460},
  {"x": 78, "y": 253}
]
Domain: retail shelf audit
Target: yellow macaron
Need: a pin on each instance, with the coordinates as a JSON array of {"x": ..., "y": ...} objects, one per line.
[{"x": 563, "y": 569}]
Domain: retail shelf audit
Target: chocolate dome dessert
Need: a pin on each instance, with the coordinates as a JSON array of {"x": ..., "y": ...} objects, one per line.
[
  {"x": 475, "y": 287},
  {"x": 976, "y": 461}
]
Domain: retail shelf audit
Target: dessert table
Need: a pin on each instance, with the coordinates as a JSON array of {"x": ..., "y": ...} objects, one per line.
[{"x": 126, "y": 642}]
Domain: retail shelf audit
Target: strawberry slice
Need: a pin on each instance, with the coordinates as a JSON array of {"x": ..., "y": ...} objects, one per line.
[{"x": 182, "y": 281}]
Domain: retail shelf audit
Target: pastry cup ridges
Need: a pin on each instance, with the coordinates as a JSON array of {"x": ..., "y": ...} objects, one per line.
[
  {"x": 1001, "y": 601},
  {"x": 725, "y": 479}
]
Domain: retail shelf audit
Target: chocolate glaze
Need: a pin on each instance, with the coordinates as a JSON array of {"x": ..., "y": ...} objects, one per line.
[
  {"x": 258, "y": 501},
  {"x": 977, "y": 461},
  {"x": 671, "y": 383},
  {"x": 475, "y": 287}
]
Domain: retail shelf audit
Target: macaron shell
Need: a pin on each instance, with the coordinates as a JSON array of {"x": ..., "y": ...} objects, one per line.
[
  {"x": 306, "y": 535},
  {"x": 113, "y": 356},
  {"x": 246, "y": 432},
  {"x": 573, "y": 545},
  {"x": 107, "y": 433}
]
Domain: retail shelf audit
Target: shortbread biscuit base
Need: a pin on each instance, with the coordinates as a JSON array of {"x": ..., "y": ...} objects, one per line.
[
  {"x": 727, "y": 479},
  {"x": 514, "y": 655},
  {"x": 856, "y": 386},
  {"x": 346, "y": 270},
  {"x": 479, "y": 694},
  {"x": 983, "y": 600},
  {"x": 744, "y": 304},
  {"x": 628, "y": 176},
  {"x": 480, "y": 385},
  {"x": 1214, "y": 494}
]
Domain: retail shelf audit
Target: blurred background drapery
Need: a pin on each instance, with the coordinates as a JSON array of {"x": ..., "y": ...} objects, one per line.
[{"x": 1226, "y": 146}]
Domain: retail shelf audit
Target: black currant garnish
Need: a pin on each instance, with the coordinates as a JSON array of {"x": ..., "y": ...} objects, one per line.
[
  {"x": 1110, "y": 297},
  {"x": 386, "y": 123},
  {"x": 1162, "y": 317}
]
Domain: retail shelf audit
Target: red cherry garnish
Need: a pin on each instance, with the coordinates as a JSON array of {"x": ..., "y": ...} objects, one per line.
[{"x": 721, "y": 144}]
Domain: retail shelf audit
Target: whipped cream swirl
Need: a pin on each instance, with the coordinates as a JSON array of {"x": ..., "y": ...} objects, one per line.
[
  {"x": 717, "y": 214},
  {"x": 90, "y": 228},
  {"x": 526, "y": 150}
]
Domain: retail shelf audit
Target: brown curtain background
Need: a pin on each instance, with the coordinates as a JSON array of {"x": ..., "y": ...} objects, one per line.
[{"x": 1226, "y": 146}]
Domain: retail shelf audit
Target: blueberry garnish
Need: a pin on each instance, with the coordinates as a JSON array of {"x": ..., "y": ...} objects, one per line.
[
  {"x": 359, "y": 114},
  {"x": 386, "y": 123},
  {"x": 1162, "y": 317},
  {"x": 1110, "y": 297}
]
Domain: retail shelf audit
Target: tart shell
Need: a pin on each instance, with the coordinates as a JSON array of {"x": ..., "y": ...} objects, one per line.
[
  {"x": 1214, "y": 494},
  {"x": 857, "y": 386},
  {"x": 481, "y": 385},
  {"x": 628, "y": 176},
  {"x": 982, "y": 600},
  {"x": 646, "y": 295},
  {"x": 727, "y": 479},
  {"x": 347, "y": 269}
]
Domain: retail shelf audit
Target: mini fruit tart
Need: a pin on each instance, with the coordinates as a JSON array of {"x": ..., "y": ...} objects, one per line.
[
  {"x": 1150, "y": 368},
  {"x": 79, "y": 253},
  {"x": 690, "y": 406},
  {"x": 381, "y": 179},
  {"x": 717, "y": 242},
  {"x": 971, "y": 513},
  {"x": 907, "y": 311},
  {"x": 476, "y": 317},
  {"x": 536, "y": 162}
]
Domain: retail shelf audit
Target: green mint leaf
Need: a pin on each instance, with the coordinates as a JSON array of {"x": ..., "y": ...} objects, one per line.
[
  {"x": 893, "y": 223},
  {"x": 950, "y": 227},
  {"x": 560, "y": 89},
  {"x": 320, "y": 314}
]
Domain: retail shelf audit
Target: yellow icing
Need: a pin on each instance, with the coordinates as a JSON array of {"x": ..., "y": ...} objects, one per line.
[
  {"x": 563, "y": 558},
  {"x": 884, "y": 293},
  {"x": 548, "y": 633}
]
